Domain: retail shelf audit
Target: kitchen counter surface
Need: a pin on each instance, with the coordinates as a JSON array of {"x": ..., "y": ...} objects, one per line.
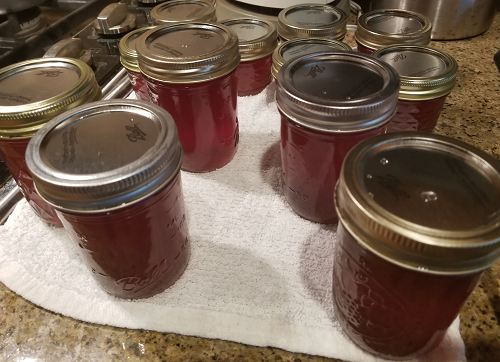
[{"x": 471, "y": 114}]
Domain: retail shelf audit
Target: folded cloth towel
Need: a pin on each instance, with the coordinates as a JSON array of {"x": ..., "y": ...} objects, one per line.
[{"x": 258, "y": 274}]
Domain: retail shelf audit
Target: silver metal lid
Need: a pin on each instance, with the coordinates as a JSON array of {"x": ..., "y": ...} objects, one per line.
[
  {"x": 337, "y": 91},
  {"x": 381, "y": 28},
  {"x": 128, "y": 54},
  {"x": 426, "y": 73},
  {"x": 188, "y": 52},
  {"x": 104, "y": 155},
  {"x": 297, "y": 47},
  {"x": 257, "y": 38},
  {"x": 422, "y": 201},
  {"x": 312, "y": 20},
  {"x": 176, "y": 11}
]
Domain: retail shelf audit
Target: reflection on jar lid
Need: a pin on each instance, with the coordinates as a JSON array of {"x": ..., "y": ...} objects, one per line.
[
  {"x": 381, "y": 28},
  {"x": 176, "y": 11},
  {"x": 423, "y": 201},
  {"x": 128, "y": 54},
  {"x": 34, "y": 91},
  {"x": 426, "y": 73},
  {"x": 104, "y": 154}
]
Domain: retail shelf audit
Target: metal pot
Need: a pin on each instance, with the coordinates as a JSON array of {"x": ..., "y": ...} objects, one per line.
[{"x": 451, "y": 19}]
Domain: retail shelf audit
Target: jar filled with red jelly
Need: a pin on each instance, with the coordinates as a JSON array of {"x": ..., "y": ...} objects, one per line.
[
  {"x": 427, "y": 75},
  {"x": 312, "y": 21},
  {"x": 257, "y": 40},
  {"x": 298, "y": 47},
  {"x": 328, "y": 103},
  {"x": 190, "y": 70},
  {"x": 31, "y": 94},
  {"x": 382, "y": 28},
  {"x": 176, "y": 11},
  {"x": 111, "y": 170},
  {"x": 419, "y": 222}
]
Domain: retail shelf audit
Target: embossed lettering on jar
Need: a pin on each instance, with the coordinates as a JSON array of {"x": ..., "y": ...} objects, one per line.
[
  {"x": 419, "y": 222},
  {"x": 328, "y": 103},
  {"x": 111, "y": 170}
]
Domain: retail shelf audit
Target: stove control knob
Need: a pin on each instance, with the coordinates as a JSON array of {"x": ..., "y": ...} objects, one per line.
[
  {"x": 70, "y": 48},
  {"x": 114, "y": 19}
]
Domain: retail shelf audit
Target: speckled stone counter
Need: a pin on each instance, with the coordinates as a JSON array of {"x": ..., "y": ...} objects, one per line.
[{"x": 471, "y": 114}]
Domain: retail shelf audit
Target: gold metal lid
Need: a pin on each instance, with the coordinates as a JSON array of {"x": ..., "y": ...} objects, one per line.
[
  {"x": 298, "y": 47},
  {"x": 176, "y": 11},
  {"x": 381, "y": 28},
  {"x": 256, "y": 38},
  {"x": 312, "y": 21},
  {"x": 426, "y": 73},
  {"x": 188, "y": 52},
  {"x": 128, "y": 54},
  {"x": 35, "y": 91},
  {"x": 422, "y": 201}
]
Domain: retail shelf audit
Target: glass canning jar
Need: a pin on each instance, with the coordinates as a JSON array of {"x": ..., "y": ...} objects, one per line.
[
  {"x": 382, "y": 28},
  {"x": 176, "y": 11},
  {"x": 312, "y": 21},
  {"x": 328, "y": 103},
  {"x": 427, "y": 76},
  {"x": 190, "y": 70},
  {"x": 257, "y": 40},
  {"x": 297, "y": 47},
  {"x": 111, "y": 170},
  {"x": 31, "y": 94},
  {"x": 419, "y": 222}
]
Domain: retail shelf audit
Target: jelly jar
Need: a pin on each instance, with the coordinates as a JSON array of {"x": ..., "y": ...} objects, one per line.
[
  {"x": 190, "y": 70},
  {"x": 419, "y": 222},
  {"x": 312, "y": 21},
  {"x": 427, "y": 77},
  {"x": 111, "y": 170},
  {"x": 382, "y": 28},
  {"x": 298, "y": 47},
  {"x": 328, "y": 103},
  {"x": 176, "y": 11},
  {"x": 31, "y": 94},
  {"x": 257, "y": 40}
]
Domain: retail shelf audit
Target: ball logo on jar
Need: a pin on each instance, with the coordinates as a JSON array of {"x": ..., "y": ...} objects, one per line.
[
  {"x": 50, "y": 73},
  {"x": 203, "y": 35},
  {"x": 315, "y": 70},
  {"x": 135, "y": 133}
]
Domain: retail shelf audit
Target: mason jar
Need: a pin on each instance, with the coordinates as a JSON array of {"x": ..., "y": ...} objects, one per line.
[
  {"x": 190, "y": 71},
  {"x": 176, "y": 11},
  {"x": 419, "y": 222},
  {"x": 427, "y": 75},
  {"x": 328, "y": 103},
  {"x": 31, "y": 94},
  {"x": 111, "y": 170}
]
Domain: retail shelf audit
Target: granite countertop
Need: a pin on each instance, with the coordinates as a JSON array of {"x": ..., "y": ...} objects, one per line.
[{"x": 471, "y": 114}]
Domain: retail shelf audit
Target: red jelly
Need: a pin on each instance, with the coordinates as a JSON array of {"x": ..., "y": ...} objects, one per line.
[
  {"x": 112, "y": 171},
  {"x": 190, "y": 71},
  {"x": 322, "y": 119},
  {"x": 418, "y": 223}
]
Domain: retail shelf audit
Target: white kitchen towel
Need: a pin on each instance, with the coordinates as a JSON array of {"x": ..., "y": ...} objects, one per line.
[{"x": 258, "y": 274}]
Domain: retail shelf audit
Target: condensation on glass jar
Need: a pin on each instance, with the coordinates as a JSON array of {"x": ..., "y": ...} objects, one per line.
[
  {"x": 257, "y": 40},
  {"x": 111, "y": 169},
  {"x": 31, "y": 94},
  {"x": 177, "y": 11},
  {"x": 428, "y": 75},
  {"x": 190, "y": 70},
  {"x": 419, "y": 222},
  {"x": 312, "y": 21},
  {"x": 128, "y": 58},
  {"x": 382, "y": 28},
  {"x": 328, "y": 103},
  {"x": 298, "y": 47}
]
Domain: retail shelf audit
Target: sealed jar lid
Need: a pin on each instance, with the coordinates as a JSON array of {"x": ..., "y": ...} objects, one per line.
[
  {"x": 104, "y": 155},
  {"x": 312, "y": 20},
  {"x": 337, "y": 91},
  {"x": 422, "y": 201},
  {"x": 188, "y": 52},
  {"x": 426, "y": 73},
  {"x": 35, "y": 91},
  {"x": 297, "y": 47},
  {"x": 381, "y": 28},
  {"x": 128, "y": 54},
  {"x": 257, "y": 38},
  {"x": 176, "y": 11}
]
